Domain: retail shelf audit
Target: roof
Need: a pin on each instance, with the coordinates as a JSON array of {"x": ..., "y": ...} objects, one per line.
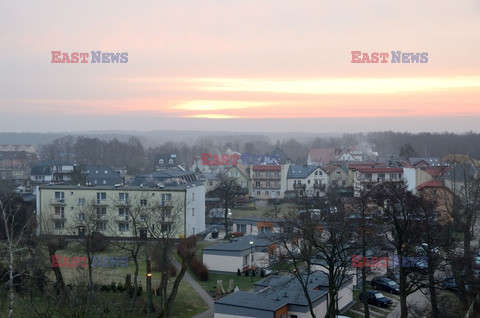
[
  {"x": 436, "y": 171},
  {"x": 170, "y": 176},
  {"x": 240, "y": 244},
  {"x": 430, "y": 184},
  {"x": 431, "y": 161},
  {"x": 13, "y": 155},
  {"x": 278, "y": 291},
  {"x": 355, "y": 166},
  {"x": 242, "y": 168},
  {"x": 101, "y": 174},
  {"x": 300, "y": 171},
  {"x": 380, "y": 170},
  {"x": 267, "y": 168},
  {"x": 322, "y": 155}
]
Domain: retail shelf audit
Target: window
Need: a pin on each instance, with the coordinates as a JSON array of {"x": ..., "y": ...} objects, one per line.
[
  {"x": 81, "y": 201},
  {"x": 242, "y": 228},
  {"x": 368, "y": 176},
  {"x": 81, "y": 216},
  {"x": 161, "y": 162},
  {"x": 276, "y": 174},
  {"x": 60, "y": 196},
  {"x": 267, "y": 193},
  {"x": 268, "y": 174},
  {"x": 237, "y": 174},
  {"x": 229, "y": 173},
  {"x": 193, "y": 230},
  {"x": 278, "y": 192},
  {"x": 267, "y": 183},
  {"x": 166, "y": 227},
  {"x": 258, "y": 192},
  {"x": 193, "y": 196},
  {"x": 170, "y": 161},
  {"x": 123, "y": 227},
  {"x": 122, "y": 211},
  {"x": 60, "y": 210},
  {"x": 102, "y": 226},
  {"x": 245, "y": 260},
  {"x": 257, "y": 174},
  {"x": 308, "y": 182},
  {"x": 123, "y": 196},
  {"x": 316, "y": 173},
  {"x": 166, "y": 198},
  {"x": 101, "y": 196},
  {"x": 257, "y": 184},
  {"x": 101, "y": 212},
  {"x": 193, "y": 211},
  {"x": 143, "y": 202},
  {"x": 59, "y": 225}
]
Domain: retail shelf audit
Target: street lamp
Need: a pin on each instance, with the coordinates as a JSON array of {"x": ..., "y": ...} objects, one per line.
[{"x": 251, "y": 260}]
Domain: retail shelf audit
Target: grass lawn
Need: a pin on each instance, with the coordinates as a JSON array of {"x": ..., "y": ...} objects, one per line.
[
  {"x": 187, "y": 302},
  {"x": 244, "y": 283}
]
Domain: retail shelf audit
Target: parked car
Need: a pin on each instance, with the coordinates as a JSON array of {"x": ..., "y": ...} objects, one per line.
[
  {"x": 376, "y": 298},
  {"x": 393, "y": 276},
  {"x": 385, "y": 284},
  {"x": 421, "y": 266},
  {"x": 450, "y": 283}
]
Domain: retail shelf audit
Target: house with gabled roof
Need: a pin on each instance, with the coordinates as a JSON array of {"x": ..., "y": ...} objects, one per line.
[{"x": 307, "y": 180}]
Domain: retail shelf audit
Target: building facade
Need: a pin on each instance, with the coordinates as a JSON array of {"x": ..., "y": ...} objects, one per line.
[{"x": 73, "y": 210}]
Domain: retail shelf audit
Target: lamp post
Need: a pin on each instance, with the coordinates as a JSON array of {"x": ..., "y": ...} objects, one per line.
[
  {"x": 149, "y": 289},
  {"x": 251, "y": 260}
]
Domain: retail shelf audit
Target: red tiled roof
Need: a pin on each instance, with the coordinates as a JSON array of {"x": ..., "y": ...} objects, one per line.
[
  {"x": 430, "y": 184},
  {"x": 323, "y": 155},
  {"x": 267, "y": 168},
  {"x": 436, "y": 171}
]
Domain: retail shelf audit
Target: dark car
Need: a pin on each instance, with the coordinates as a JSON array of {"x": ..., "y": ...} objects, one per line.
[
  {"x": 450, "y": 283},
  {"x": 385, "y": 284},
  {"x": 376, "y": 298},
  {"x": 421, "y": 266}
]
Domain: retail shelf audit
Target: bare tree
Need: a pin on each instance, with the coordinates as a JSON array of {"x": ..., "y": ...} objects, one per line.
[
  {"x": 164, "y": 222},
  {"x": 15, "y": 226},
  {"x": 227, "y": 189}
]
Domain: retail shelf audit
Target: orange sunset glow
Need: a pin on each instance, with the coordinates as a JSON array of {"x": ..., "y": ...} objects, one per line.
[{"x": 229, "y": 62}]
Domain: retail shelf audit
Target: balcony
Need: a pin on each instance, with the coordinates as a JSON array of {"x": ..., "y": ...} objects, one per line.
[
  {"x": 123, "y": 218},
  {"x": 101, "y": 202},
  {"x": 59, "y": 217},
  {"x": 299, "y": 186},
  {"x": 321, "y": 187},
  {"x": 122, "y": 203},
  {"x": 58, "y": 202}
]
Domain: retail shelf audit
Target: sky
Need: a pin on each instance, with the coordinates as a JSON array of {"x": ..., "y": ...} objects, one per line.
[{"x": 240, "y": 65}]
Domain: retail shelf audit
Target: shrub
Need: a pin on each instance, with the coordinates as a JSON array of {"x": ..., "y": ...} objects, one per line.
[
  {"x": 128, "y": 282},
  {"x": 99, "y": 242},
  {"x": 238, "y": 272},
  {"x": 120, "y": 287},
  {"x": 262, "y": 273},
  {"x": 113, "y": 287},
  {"x": 199, "y": 269},
  {"x": 246, "y": 273}
]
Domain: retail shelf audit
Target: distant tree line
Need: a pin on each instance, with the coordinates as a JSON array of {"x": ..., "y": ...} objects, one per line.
[{"x": 133, "y": 155}]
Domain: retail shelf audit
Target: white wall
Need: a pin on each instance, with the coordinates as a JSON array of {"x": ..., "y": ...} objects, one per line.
[
  {"x": 197, "y": 220},
  {"x": 410, "y": 175},
  {"x": 223, "y": 263}
]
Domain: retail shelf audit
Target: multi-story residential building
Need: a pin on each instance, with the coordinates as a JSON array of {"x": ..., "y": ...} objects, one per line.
[
  {"x": 268, "y": 181},
  {"x": 366, "y": 177},
  {"x": 70, "y": 210},
  {"x": 52, "y": 171},
  {"x": 307, "y": 180},
  {"x": 27, "y": 148},
  {"x": 14, "y": 166}
]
